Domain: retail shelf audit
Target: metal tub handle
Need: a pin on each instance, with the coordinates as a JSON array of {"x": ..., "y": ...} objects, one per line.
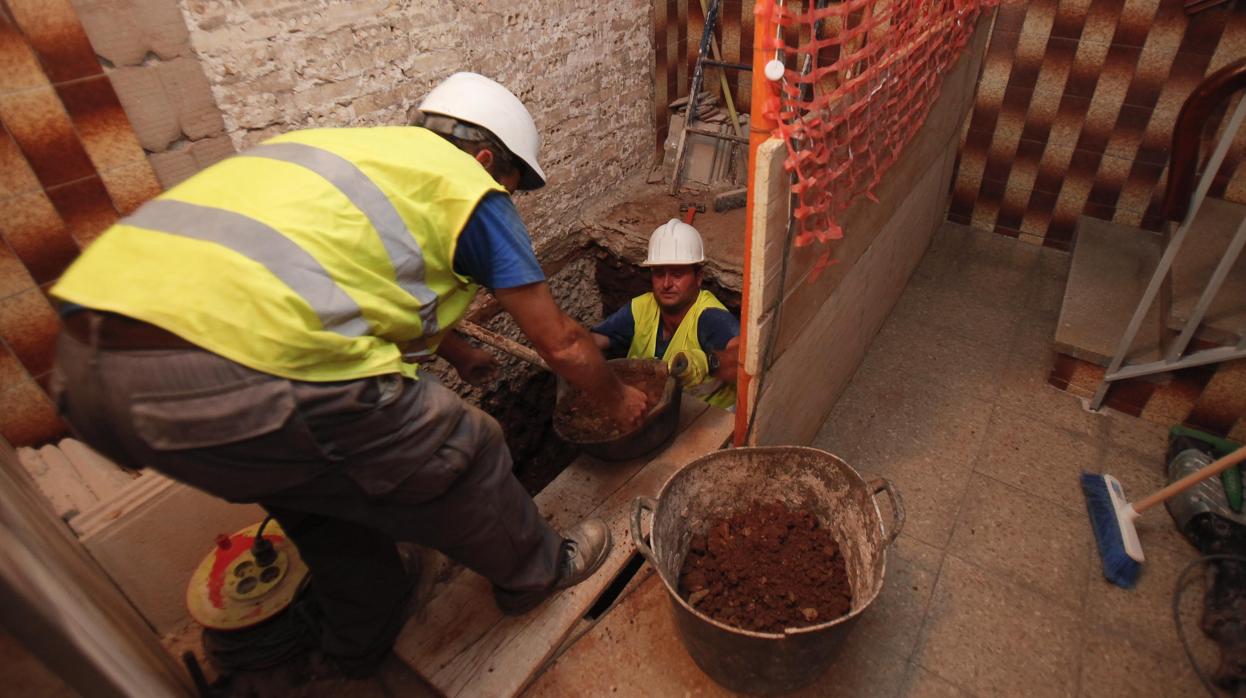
[
  {"x": 880, "y": 484},
  {"x": 640, "y": 505}
]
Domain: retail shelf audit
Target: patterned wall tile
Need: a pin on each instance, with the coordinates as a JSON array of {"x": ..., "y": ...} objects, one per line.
[
  {"x": 27, "y": 416},
  {"x": 16, "y": 177},
  {"x": 85, "y": 206},
  {"x": 29, "y": 325},
  {"x": 13, "y": 275},
  {"x": 38, "y": 123},
  {"x": 19, "y": 69},
  {"x": 34, "y": 230},
  {"x": 11, "y": 370},
  {"x": 130, "y": 187},
  {"x": 1094, "y": 86},
  {"x": 54, "y": 32},
  {"x": 101, "y": 123}
]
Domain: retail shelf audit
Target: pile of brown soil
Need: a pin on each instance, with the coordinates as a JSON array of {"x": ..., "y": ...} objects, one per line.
[
  {"x": 766, "y": 569},
  {"x": 580, "y": 419}
]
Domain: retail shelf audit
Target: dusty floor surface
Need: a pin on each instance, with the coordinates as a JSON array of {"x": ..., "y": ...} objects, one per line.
[{"x": 994, "y": 587}]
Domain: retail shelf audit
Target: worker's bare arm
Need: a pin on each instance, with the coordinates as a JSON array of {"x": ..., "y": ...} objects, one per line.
[
  {"x": 728, "y": 360},
  {"x": 569, "y": 350},
  {"x": 474, "y": 365},
  {"x": 601, "y": 340}
]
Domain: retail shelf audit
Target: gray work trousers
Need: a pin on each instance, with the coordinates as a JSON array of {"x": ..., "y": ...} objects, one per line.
[{"x": 346, "y": 467}]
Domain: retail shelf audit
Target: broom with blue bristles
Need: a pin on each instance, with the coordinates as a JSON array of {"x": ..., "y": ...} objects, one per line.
[{"x": 1112, "y": 516}]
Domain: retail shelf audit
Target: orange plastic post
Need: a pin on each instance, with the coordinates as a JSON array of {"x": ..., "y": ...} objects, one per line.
[{"x": 760, "y": 127}]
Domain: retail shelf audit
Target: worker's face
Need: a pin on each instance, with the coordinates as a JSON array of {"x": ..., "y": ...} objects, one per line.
[{"x": 675, "y": 286}]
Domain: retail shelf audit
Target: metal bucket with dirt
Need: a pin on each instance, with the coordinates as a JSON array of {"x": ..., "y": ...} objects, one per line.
[{"x": 717, "y": 485}]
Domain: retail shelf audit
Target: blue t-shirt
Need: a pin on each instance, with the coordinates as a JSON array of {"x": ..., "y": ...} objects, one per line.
[
  {"x": 715, "y": 328},
  {"x": 494, "y": 249}
]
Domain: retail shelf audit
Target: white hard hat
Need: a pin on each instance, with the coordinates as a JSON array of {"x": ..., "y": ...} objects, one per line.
[
  {"x": 674, "y": 242},
  {"x": 477, "y": 100}
]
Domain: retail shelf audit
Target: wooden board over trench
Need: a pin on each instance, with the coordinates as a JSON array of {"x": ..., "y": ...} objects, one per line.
[{"x": 463, "y": 646}]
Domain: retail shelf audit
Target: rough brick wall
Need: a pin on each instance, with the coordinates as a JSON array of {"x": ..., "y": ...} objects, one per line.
[{"x": 582, "y": 67}]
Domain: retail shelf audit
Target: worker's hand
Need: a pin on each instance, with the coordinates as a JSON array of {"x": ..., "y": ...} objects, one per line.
[
  {"x": 630, "y": 411},
  {"x": 695, "y": 367},
  {"x": 476, "y": 366}
]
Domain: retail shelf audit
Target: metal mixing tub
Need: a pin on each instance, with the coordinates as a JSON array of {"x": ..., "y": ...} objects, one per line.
[
  {"x": 719, "y": 485},
  {"x": 656, "y": 429}
]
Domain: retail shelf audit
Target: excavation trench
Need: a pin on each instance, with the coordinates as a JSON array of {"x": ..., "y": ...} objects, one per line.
[{"x": 592, "y": 283}]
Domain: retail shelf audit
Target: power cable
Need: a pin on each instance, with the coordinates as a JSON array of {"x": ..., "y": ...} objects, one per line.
[{"x": 1176, "y": 615}]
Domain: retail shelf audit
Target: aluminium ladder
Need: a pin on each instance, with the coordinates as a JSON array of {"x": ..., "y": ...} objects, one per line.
[{"x": 1179, "y": 204}]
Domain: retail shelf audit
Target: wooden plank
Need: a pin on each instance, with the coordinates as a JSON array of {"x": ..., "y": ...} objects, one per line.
[
  {"x": 104, "y": 477},
  {"x": 465, "y": 646},
  {"x": 792, "y": 407},
  {"x": 770, "y": 214},
  {"x": 577, "y": 490},
  {"x": 64, "y": 609},
  {"x": 635, "y": 650}
]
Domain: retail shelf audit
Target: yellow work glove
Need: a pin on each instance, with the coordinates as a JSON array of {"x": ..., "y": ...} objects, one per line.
[{"x": 696, "y": 370}]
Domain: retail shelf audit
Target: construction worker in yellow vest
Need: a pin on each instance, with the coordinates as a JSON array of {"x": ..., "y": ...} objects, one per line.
[
  {"x": 249, "y": 332},
  {"x": 678, "y": 317}
]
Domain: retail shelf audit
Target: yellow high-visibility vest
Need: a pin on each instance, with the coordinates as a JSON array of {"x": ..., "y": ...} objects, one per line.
[
  {"x": 647, "y": 319},
  {"x": 312, "y": 256}
]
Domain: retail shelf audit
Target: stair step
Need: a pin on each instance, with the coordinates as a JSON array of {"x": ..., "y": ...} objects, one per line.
[
  {"x": 1204, "y": 246},
  {"x": 1112, "y": 264}
]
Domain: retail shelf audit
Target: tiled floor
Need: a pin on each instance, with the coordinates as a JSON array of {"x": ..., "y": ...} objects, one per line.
[{"x": 995, "y": 586}]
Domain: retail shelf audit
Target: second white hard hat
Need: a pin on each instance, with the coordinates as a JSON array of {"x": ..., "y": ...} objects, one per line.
[
  {"x": 674, "y": 242},
  {"x": 475, "y": 99}
]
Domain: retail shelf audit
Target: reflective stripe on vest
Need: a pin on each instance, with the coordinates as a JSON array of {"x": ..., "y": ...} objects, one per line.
[
  {"x": 320, "y": 255},
  {"x": 263, "y": 245},
  {"x": 404, "y": 254}
]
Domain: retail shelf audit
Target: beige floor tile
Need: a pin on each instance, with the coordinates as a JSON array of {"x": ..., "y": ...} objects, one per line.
[
  {"x": 1036, "y": 332},
  {"x": 1050, "y": 276},
  {"x": 969, "y": 316},
  {"x": 1028, "y": 540},
  {"x": 921, "y": 683},
  {"x": 1024, "y": 388},
  {"x": 1144, "y": 614},
  {"x": 1136, "y": 433},
  {"x": 942, "y": 358},
  {"x": 926, "y": 447},
  {"x": 1141, "y": 474},
  {"x": 863, "y": 668},
  {"x": 870, "y": 392},
  {"x": 1043, "y": 460},
  {"x": 895, "y": 617},
  {"x": 932, "y": 486},
  {"x": 997, "y": 269},
  {"x": 995, "y": 638},
  {"x": 916, "y": 553},
  {"x": 1113, "y": 666}
]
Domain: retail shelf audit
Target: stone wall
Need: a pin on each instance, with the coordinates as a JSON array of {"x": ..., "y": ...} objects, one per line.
[{"x": 583, "y": 68}]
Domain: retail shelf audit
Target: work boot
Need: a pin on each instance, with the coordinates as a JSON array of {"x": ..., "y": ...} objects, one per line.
[{"x": 584, "y": 548}]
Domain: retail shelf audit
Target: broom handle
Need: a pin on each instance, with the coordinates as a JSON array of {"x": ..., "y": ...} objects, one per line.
[{"x": 1191, "y": 480}]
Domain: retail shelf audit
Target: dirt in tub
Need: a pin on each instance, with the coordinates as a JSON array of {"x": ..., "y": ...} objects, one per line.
[
  {"x": 766, "y": 569},
  {"x": 580, "y": 419}
]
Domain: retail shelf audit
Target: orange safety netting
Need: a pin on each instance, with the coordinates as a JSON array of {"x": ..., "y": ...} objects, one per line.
[{"x": 859, "y": 79}]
